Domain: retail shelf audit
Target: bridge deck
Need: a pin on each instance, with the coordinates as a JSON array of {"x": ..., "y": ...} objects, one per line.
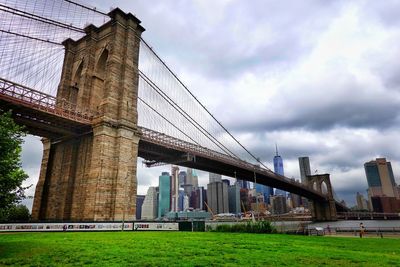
[{"x": 46, "y": 116}]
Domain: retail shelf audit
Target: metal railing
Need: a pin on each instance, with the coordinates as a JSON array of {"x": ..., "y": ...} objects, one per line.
[{"x": 22, "y": 95}]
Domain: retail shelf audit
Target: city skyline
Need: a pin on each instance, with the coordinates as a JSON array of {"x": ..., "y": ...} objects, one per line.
[{"x": 309, "y": 88}]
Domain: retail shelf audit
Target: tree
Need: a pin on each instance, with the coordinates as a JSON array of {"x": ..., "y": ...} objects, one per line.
[
  {"x": 18, "y": 213},
  {"x": 11, "y": 173}
]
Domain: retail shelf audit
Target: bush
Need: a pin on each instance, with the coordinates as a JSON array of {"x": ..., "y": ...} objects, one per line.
[{"x": 250, "y": 227}]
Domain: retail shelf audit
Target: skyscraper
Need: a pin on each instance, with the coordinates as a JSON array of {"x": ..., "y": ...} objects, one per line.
[
  {"x": 139, "y": 204},
  {"x": 150, "y": 204},
  {"x": 243, "y": 184},
  {"x": 182, "y": 178},
  {"x": 174, "y": 194},
  {"x": 213, "y": 177},
  {"x": 164, "y": 194},
  {"x": 304, "y": 164},
  {"x": 217, "y": 197},
  {"x": 192, "y": 178},
  {"x": 380, "y": 178},
  {"x": 234, "y": 198},
  {"x": 278, "y": 168}
]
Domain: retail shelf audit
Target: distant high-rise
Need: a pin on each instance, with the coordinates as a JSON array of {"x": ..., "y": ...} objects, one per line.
[
  {"x": 234, "y": 198},
  {"x": 174, "y": 193},
  {"x": 217, "y": 197},
  {"x": 150, "y": 204},
  {"x": 182, "y": 178},
  {"x": 192, "y": 178},
  {"x": 304, "y": 164},
  {"x": 139, "y": 204},
  {"x": 243, "y": 184},
  {"x": 278, "y": 168},
  {"x": 164, "y": 194},
  {"x": 213, "y": 177},
  {"x": 361, "y": 202},
  {"x": 380, "y": 178},
  {"x": 278, "y": 204},
  {"x": 197, "y": 198}
]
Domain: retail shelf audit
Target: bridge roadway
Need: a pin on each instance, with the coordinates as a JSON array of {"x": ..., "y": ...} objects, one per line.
[{"x": 46, "y": 116}]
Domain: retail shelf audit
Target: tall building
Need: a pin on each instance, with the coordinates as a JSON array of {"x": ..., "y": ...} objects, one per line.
[
  {"x": 278, "y": 168},
  {"x": 139, "y": 204},
  {"x": 164, "y": 194},
  {"x": 278, "y": 204},
  {"x": 382, "y": 189},
  {"x": 234, "y": 198},
  {"x": 150, "y": 204},
  {"x": 182, "y": 178},
  {"x": 197, "y": 198},
  {"x": 181, "y": 200},
  {"x": 380, "y": 178},
  {"x": 174, "y": 193},
  {"x": 304, "y": 164},
  {"x": 213, "y": 177},
  {"x": 243, "y": 184},
  {"x": 192, "y": 178},
  {"x": 217, "y": 197},
  {"x": 361, "y": 202}
]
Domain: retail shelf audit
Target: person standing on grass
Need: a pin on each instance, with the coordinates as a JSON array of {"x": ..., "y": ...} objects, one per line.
[{"x": 362, "y": 230}]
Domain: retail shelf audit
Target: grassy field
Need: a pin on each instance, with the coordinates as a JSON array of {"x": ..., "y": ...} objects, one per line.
[{"x": 193, "y": 249}]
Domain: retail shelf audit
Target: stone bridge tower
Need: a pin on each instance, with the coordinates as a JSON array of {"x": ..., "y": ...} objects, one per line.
[
  {"x": 93, "y": 176},
  {"x": 322, "y": 210}
]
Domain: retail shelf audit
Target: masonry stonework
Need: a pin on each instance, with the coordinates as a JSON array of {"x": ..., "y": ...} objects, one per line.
[
  {"x": 93, "y": 176},
  {"x": 322, "y": 210}
]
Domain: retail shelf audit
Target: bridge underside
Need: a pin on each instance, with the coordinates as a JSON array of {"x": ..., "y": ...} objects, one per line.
[
  {"x": 42, "y": 123},
  {"x": 154, "y": 152}
]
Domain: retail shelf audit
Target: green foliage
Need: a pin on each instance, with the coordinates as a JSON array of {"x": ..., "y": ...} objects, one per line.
[
  {"x": 18, "y": 213},
  {"x": 193, "y": 249},
  {"x": 264, "y": 227},
  {"x": 11, "y": 173}
]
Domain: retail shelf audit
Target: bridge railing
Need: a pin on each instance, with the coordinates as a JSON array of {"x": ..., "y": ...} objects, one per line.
[
  {"x": 25, "y": 96},
  {"x": 172, "y": 142}
]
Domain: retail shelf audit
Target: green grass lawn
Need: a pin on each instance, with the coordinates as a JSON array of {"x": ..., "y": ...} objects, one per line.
[{"x": 193, "y": 249}]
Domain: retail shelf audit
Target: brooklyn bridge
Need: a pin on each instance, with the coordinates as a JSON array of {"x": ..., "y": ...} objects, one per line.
[{"x": 101, "y": 97}]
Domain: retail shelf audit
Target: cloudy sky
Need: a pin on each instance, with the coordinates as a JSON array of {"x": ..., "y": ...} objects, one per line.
[{"x": 319, "y": 78}]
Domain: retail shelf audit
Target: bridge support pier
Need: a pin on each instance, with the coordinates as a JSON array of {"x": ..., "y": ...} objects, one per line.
[
  {"x": 92, "y": 177},
  {"x": 322, "y": 210}
]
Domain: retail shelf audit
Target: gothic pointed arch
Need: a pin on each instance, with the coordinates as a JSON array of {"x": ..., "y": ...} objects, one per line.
[{"x": 101, "y": 65}]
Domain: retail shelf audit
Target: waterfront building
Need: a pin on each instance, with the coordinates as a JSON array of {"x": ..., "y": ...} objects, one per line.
[
  {"x": 243, "y": 184},
  {"x": 181, "y": 178},
  {"x": 362, "y": 203},
  {"x": 380, "y": 178},
  {"x": 174, "y": 192},
  {"x": 213, "y": 177},
  {"x": 197, "y": 199},
  {"x": 139, "y": 204},
  {"x": 181, "y": 200},
  {"x": 192, "y": 178},
  {"x": 217, "y": 197},
  {"x": 245, "y": 203},
  {"x": 150, "y": 204},
  {"x": 234, "y": 198},
  {"x": 304, "y": 164},
  {"x": 164, "y": 194},
  {"x": 278, "y": 204}
]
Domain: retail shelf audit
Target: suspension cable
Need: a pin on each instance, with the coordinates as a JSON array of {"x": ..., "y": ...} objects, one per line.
[{"x": 184, "y": 86}]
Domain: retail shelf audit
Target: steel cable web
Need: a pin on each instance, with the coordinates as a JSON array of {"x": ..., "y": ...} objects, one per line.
[
  {"x": 166, "y": 105},
  {"x": 31, "y": 33}
]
